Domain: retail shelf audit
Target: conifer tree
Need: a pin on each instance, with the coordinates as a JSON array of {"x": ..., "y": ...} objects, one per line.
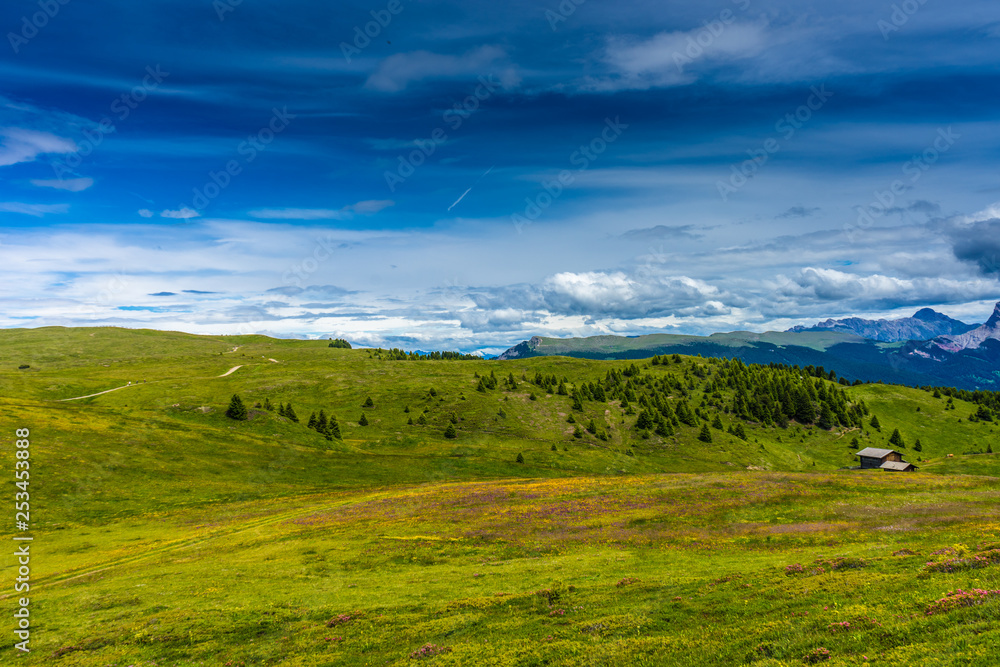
[
  {"x": 896, "y": 440},
  {"x": 450, "y": 432},
  {"x": 290, "y": 413},
  {"x": 363, "y": 421},
  {"x": 875, "y": 423},
  {"x": 369, "y": 403},
  {"x": 706, "y": 434},
  {"x": 236, "y": 409},
  {"x": 520, "y": 457}
]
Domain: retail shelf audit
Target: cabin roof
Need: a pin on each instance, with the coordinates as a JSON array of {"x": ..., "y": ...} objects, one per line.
[
  {"x": 876, "y": 453},
  {"x": 897, "y": 465}
]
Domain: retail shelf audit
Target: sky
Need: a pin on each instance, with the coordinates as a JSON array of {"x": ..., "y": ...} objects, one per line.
[{"x": 435, "y": 174}]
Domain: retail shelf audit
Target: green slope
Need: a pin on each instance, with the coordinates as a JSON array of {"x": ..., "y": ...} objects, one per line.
[{"x": 167, "y": 531}]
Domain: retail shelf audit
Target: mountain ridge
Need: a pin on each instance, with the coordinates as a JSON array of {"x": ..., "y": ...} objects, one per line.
[
  {"x": 970, "y": 360},
  {"x": 925, "y": 324}
]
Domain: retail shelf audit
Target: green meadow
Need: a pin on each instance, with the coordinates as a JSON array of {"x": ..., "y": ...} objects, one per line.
[{"x": 551, "y": 529}]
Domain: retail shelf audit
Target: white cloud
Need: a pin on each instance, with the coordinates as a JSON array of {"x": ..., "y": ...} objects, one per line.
[
  {"x": 146, "y": 213},
  {"x": 398, "y": 71},
  {"x": 36, "y": 210},
  {"x": 68, "y": 184},
  {"x": 367, "y": 207},
  {"x": 182, "y": 214},
  {"x": 18, "y": 144},
  {"x": 670, "y": 58}
]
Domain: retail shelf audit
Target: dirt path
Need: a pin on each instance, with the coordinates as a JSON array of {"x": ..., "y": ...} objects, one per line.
[{"x": 126, "y": 386}]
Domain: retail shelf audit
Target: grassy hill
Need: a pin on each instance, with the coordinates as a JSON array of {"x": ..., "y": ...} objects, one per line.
[{"x": 167, "y": 531}]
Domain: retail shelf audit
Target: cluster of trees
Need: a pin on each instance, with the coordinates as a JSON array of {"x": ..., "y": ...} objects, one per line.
[
  {"x": 396, "y": 354},
  {"x": 988, "y": 401},
  {"x": 340, "y": 343},
  {"x": 772, "y": 395},
  {"x": 328, "y": 427}
]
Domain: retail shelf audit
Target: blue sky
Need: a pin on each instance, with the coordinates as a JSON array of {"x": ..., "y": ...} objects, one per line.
[{"x": 469, "y": 174}]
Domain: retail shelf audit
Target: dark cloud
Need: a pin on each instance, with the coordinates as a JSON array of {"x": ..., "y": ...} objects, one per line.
[
  {"x": 979, "y": 244},
  {"x": 798, "y": 212},
  {"x": 662, "y": 232},
  {"x": 164, "y": 294}
]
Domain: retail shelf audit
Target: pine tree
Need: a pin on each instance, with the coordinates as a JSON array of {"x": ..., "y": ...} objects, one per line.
[
  {"x": 739, "y": 431},
  {"x": 454, "y": 418},
  {"x": 236, "y": 409},
  {"x": 825, "y": 417},
  {"x": 717, "y": 423},
  {"x": 267, "y": 405},
  {"x": 592, "y": 426},
  {"x": 562, "y": 389},
  {"x": 917, "y": 447},
  {"x": 369, "y": 403},
  {"x": 290, "y": 413},
  {"x": 363, "y": 421},
  {"x": 577, "y": 431},
  {"x": 450, "y": 432},
  {"x": 520, "y": 457},
  {"x": 409, "y": 421},
  {"x": 896, "y": 440},
  {"x": 875, "y": 423},
  {"x": 406, "y": 410},
  {"x": 333, "y": 428},
  {"x": 571, "y": 419},
  {"x": 422, "y": 420},
  {"x": 312, "y": 421},
  {"x": 644, "y": 421},
  {"x": 321, "y": 422},
  {"x": 706, "y": 434},
  {"x": 805, "y": 413}
]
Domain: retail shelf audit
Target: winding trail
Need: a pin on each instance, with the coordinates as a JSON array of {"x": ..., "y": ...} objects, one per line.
[{"x": 126, "y": 386}]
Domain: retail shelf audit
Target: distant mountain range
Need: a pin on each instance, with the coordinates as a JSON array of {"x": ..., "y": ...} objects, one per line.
[
  {"x": 924, "y": 325},
  {"x": 941, "y": 351}
]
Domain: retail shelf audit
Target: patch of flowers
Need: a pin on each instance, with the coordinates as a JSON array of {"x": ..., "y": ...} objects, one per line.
[
  {"x": 794, "y": 568},
  {"x": 960, "y": 598},
  {"x": 816, "y": 655},
  {"x": 842, "y": 625},
  {"x": 627, "y": 581},
  {"x": 957, "y": 564},
  {"x": 429, "y": 651},
  {"x": 557, "y": 612},
  {"x": 343, "y": 619},
  {"x": 842, "y": 563}
]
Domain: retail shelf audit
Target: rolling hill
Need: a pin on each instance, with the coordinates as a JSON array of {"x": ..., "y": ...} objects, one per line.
[{"x": 166, "y": 531}]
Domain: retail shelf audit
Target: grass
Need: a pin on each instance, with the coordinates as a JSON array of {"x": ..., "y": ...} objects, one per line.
[{"x": 169, "y": 534}]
